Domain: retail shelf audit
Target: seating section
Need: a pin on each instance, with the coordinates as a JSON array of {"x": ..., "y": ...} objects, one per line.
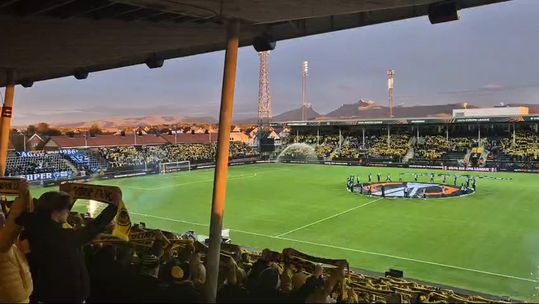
[
  {"x": 244, "y": 275},
  {"x": 440, "y": 150},
  {"x": 390, "y": 151},
  {"x": 130, "y": 156},
  {"x": 525, "y": 146},
  {"x": 501, "y": 152},
  {"x": 34, "y": 163}
]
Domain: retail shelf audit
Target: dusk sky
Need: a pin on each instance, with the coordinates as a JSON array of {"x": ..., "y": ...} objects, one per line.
[{"x": 488, "y": 57}]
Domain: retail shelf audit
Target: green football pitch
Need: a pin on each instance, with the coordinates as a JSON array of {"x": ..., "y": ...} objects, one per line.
[{"x": 486, "y": 242}]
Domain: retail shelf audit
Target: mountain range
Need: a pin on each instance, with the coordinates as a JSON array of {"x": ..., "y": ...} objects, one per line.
[{"x": 363, "y": 109}]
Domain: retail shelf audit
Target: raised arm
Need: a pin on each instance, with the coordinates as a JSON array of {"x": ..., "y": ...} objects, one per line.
[
  {"x": 10, "y": 232},
  {"x": 84, "y": 235}
]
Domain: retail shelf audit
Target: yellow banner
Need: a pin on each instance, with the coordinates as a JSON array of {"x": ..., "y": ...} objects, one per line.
[
  {"x": 102, "y": 194},
  {"x": 122, "y": 223},
  {"x": 91, "y": 192},
  {"x": 10, "y": 185}
]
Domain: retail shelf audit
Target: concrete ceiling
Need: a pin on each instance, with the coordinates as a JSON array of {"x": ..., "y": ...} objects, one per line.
[{"x": 44, "y": 39}]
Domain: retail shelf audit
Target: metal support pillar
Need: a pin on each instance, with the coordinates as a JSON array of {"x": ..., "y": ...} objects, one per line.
[
  {"x": 417, "y": 132},
  {"x": 514, "y": 135},
  {"x": 388, "y": 137},
  {"x": 340, "y": 138},
  {"x": 318, "y": 136},
  {"x": 5, "y": 123},
  {"x": 221, "y": 167},
  {"x": 447, "y": 133},
  {"x": 479, "y": 135},
  {"x": 363, "y": 137}
]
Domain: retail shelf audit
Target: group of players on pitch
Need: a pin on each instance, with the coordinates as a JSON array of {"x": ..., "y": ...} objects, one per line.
[{"x": 354, "y": 182}]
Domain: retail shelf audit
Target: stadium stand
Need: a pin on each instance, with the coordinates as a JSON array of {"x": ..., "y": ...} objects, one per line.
[
  {"x": 392, "y": 151},
  {"x": 436, "y": 150},
  {"x": 163, "y": 266},
  {"x": 96, "y": 154},
  {"x": 153, "y": 155},
  {"x": 32, "y": 163}
]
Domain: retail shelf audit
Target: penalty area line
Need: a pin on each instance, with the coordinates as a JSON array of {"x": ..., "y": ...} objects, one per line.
[
  {"x": 327, "y": 218},
  {"x": 348, "y": 249}
]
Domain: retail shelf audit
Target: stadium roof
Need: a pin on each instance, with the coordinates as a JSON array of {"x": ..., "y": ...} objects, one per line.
[
  {"x": 410, "y": 121},
  {"x": 197, "y": 138},
  {"x": 44, "y": 39},
  {"x": 63, "y": 141}
]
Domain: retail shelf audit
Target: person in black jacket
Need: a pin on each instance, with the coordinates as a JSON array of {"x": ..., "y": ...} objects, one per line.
[{"x": 56, "y": 257}]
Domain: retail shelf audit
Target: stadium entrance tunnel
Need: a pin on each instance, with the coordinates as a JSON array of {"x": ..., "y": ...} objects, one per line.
[{"x": 411, "y": 190}]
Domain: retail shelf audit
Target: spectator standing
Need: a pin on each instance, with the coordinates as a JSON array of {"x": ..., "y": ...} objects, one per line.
[{"x": 56, "y": 257}]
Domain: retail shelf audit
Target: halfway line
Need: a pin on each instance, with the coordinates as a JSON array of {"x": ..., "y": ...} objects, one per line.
[{"x": 327, "y": 218}]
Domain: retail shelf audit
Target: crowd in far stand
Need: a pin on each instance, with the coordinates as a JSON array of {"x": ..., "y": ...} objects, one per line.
[{"x": 153, "y": 155}]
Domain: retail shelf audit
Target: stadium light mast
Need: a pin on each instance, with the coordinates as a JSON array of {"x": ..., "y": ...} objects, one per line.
[
  {"x": 304, "y": 89},
  {"x": 390, "y": 88},
  {"x": 264, "y": 97}
]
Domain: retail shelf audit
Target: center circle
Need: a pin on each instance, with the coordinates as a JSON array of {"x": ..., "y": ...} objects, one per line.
[{"x": 411, "y": 190}]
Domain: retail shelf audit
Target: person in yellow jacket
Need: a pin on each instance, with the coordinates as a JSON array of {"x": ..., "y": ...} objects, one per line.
[{"x": 15, "y": 278}]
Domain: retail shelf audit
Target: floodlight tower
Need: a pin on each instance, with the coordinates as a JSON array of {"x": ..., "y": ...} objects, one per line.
[
  {"x": 264, "y": 97},
  {"x": 305, "y": 104},
  {"x": 390, "y": 88}
]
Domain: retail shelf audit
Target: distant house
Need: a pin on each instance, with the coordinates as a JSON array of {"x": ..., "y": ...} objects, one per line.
[
  {"x": 274, "y": 135},
  {"x": 131, "y": 131},
  {"x": 239, "y": 137},
  {"x": 34, "y": 142},
  {"x": 252, "y": 133},
  {"x": 197, "y": 130}
]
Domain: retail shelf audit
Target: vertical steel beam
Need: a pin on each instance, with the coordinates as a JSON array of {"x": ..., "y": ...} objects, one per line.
[
  {"x": 221, "y": 167},
  {"x": 5, "y": 122},
  {"x": 363, "y": 136}
]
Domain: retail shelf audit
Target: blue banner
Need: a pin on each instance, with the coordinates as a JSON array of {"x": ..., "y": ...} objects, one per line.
[{"x": 48, "y": 176}]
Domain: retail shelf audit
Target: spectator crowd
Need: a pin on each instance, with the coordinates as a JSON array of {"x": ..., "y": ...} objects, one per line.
[{"x": 54, "y": 255}]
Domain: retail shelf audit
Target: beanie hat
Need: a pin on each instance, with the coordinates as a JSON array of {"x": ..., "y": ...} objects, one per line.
[
  {"x": 54, "y": 201},
  {"x": 269, "y": 279}
]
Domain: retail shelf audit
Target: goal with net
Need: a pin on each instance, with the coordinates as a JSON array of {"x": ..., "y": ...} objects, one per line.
[{"x": 170, "y": 167}]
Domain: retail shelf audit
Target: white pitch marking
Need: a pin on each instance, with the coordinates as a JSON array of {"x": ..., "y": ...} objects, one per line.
[
  {"x": 168, "y": 219},
  {"x": 353, "y": 250},
  {"x": 187, "y": 183},
  {"x": 413, "y": 260},
  {"x": 327, "y": 218},
  {"x": 201, "y": 181}
]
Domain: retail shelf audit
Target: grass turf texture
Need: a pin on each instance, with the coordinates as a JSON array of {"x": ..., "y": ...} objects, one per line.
[{"x": 487, "y": 242}]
